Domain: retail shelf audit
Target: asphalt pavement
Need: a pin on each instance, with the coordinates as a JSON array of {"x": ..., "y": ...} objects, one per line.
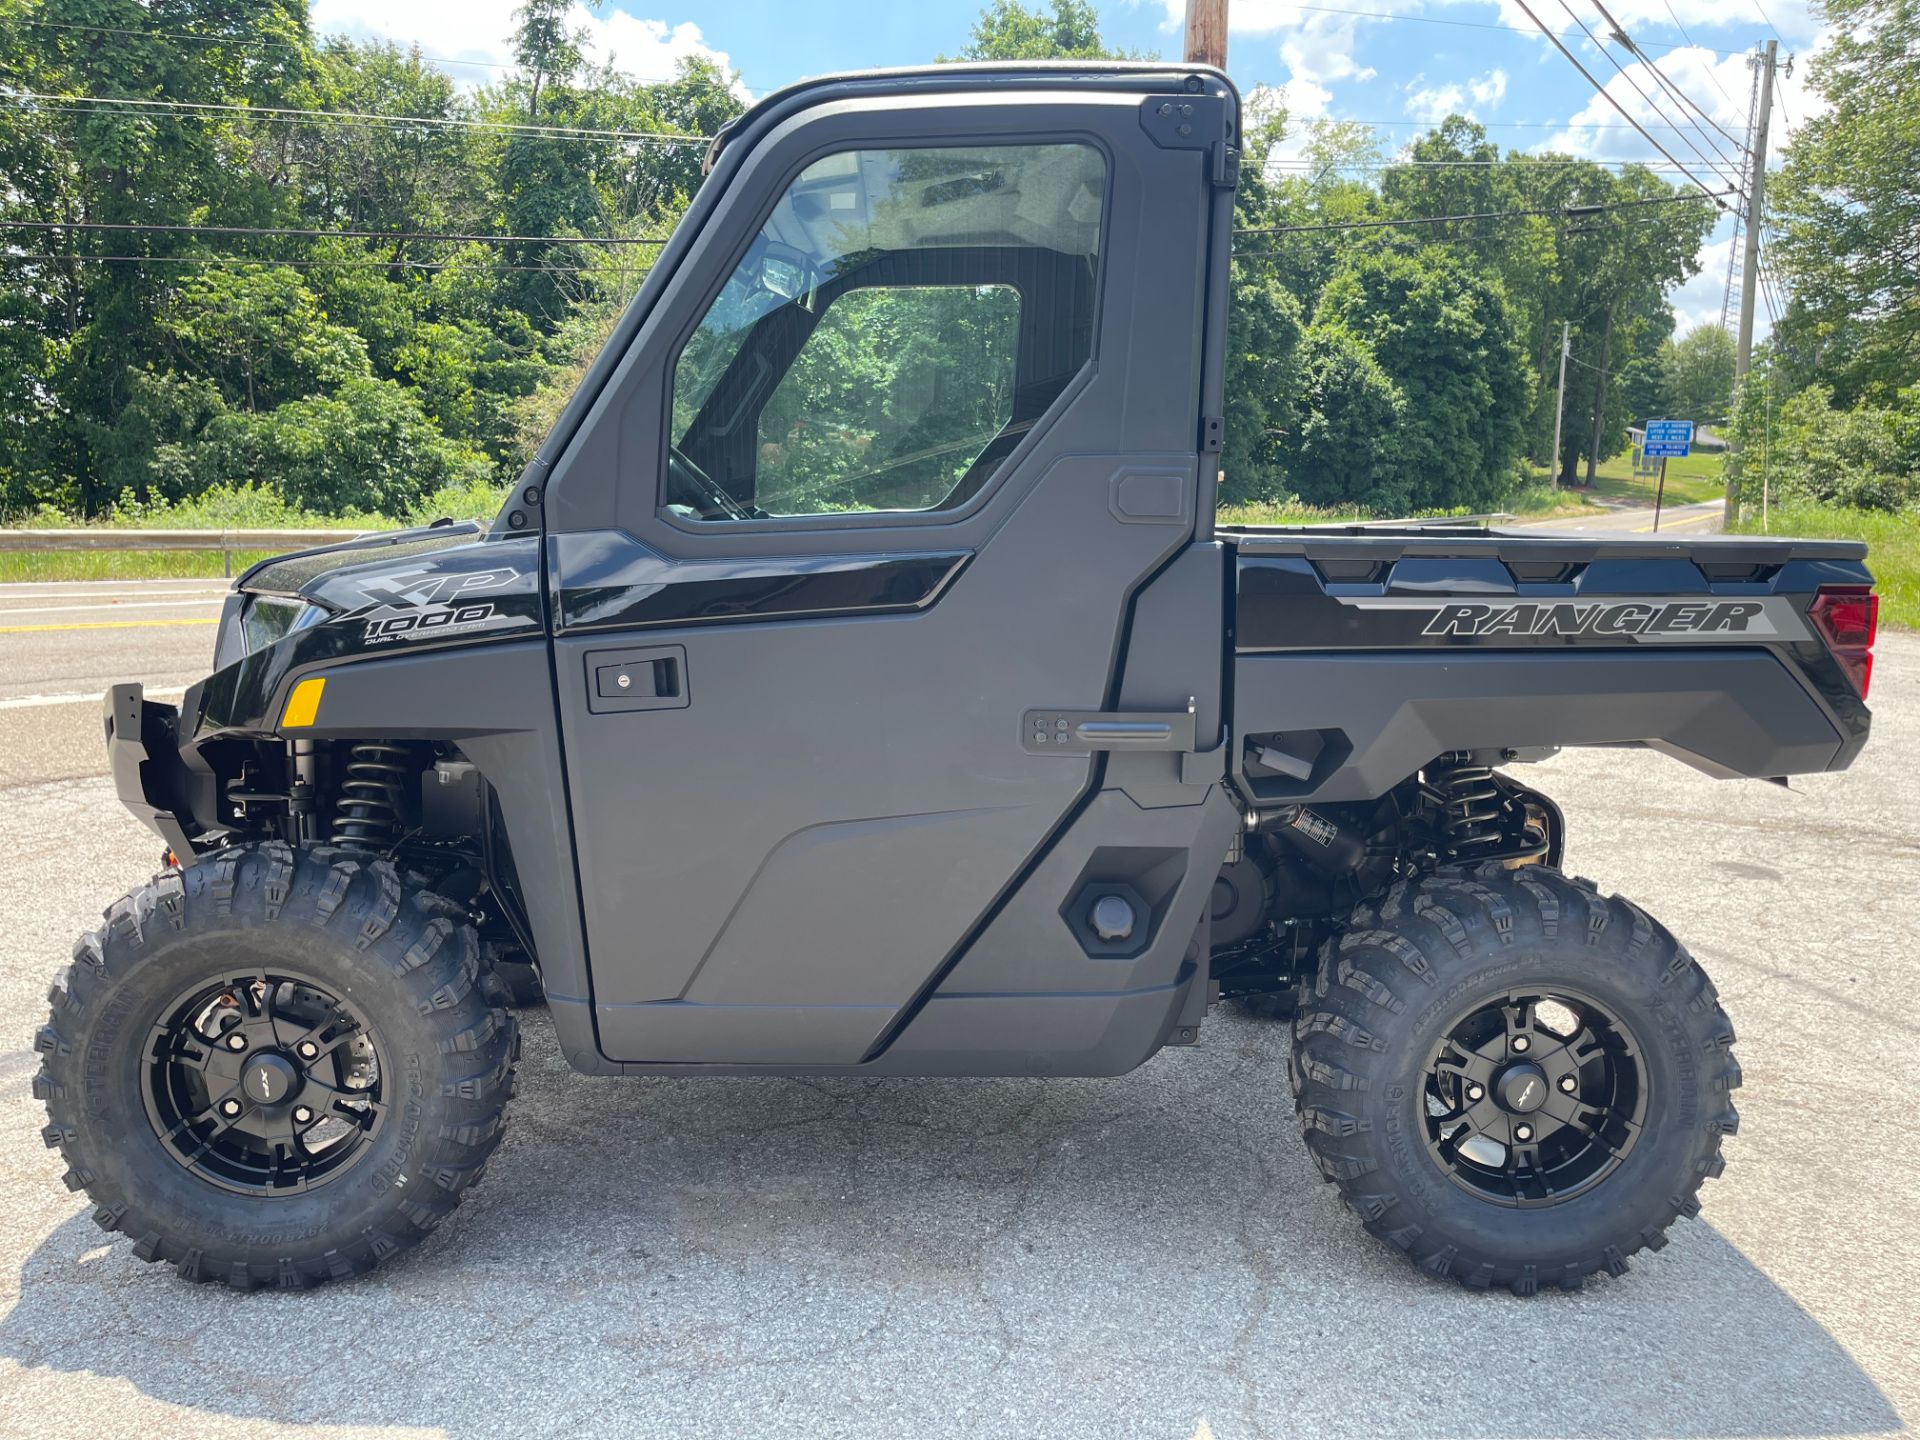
[
  {"x": 1681, "y": 521},
  {"x": 62, "y": 644},
  {"x": 1148, "y": 1256}
]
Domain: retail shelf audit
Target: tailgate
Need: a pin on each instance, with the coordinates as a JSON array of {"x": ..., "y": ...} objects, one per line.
[{"x": 1363, "y": 654}]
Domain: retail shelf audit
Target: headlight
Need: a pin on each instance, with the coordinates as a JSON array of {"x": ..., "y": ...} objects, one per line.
[
  {"x": 253, "y": 622},
  {"x": 267, "y": 618}
]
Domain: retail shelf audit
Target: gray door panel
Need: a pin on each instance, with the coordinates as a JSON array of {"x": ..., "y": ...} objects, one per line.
[
  {"x": 779, "y": 867},
  {"x": 844, "y": 798}
]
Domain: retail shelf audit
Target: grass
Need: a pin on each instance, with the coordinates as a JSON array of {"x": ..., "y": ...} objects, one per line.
[
  {"x": 245, "y": 507},
  {"x": 1893, "y": 549},
  {"x": 1689, "y": 481},
  {"x": 48, "y": 565}
]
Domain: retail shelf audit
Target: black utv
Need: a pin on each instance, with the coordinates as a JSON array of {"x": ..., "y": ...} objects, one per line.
[{"x": 857, "y": 683}]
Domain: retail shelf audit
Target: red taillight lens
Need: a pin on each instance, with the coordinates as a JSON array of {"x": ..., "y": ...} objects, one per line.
[{"x": 1847, "y": 617}]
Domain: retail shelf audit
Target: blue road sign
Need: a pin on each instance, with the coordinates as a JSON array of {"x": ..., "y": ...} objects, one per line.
[{"x": 1668, "y": 439}]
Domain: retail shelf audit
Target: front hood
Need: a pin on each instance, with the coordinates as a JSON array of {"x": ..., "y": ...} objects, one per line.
[
  {"x": 385, "y": 597},
  {"x": 290, "y": 575}
]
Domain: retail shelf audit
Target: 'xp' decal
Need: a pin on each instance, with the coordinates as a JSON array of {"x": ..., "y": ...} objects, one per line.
[
  {"x": 426, "y": 603},
  {"x": 1653, "y": 619}
]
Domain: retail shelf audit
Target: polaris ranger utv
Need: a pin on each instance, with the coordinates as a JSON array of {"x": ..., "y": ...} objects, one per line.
[{"x": 857, "y": 683}]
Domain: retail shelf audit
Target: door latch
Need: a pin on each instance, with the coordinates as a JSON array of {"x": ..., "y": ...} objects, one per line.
[
  {"x": 1081, "y": 732},
  {"x": 654, "y": 678}
]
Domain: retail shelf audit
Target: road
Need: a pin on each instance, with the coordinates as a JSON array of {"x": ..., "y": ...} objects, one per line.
[
  {"x": 1149, "y": 1256},
  {"x": 1679, "y": 520},
  {"x": 61, "y": 645}
]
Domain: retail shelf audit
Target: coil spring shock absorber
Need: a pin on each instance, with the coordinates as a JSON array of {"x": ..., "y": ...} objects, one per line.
[
  {"x": 373, "y": 790},
  {"x": 1472, "y": 809}
]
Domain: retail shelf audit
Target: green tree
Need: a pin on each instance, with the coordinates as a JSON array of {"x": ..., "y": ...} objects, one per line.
[
  {"x": 1345, "y": 450},
  {"x": 1008, "y": 30},
  {"x": 1848, "y": 207},
  {"x": 259, "y": 335},
  {"x": 1697, "y": 376},
  {"x": 1441, "y": 331}
]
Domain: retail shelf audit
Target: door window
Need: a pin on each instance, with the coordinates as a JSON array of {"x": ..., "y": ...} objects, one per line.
[{"x": 897, "y": 325}]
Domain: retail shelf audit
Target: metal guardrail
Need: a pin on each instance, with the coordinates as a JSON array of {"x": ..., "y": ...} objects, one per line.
[{"x": 225, "y": 541}]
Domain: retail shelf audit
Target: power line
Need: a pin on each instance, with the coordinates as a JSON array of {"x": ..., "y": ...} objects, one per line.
[
  {"x": 1713, "y": 162},
  {"x": 1675, "y": 16},
  {"x": 263, "y": 43},
  {"x": 572, "y": 132},
  {"x": 1463, "y": 24},
  {"x": 1517, "y": 160},
  {"x": 1768, "y": 20},
  {"x": 1574, "y": 60},
  {"x": 314, "y": 234},
  {"x": 1686, "y": 101},
  {"x": 18, "y": 258}
]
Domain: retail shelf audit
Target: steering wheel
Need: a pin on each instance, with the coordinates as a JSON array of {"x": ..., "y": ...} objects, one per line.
[{"x": 707, "y": 497}]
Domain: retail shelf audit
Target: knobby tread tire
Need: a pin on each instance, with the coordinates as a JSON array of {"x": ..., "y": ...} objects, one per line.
[
  {"x": 1388, "y": 989},
  {"x": 412, "y": 964}
]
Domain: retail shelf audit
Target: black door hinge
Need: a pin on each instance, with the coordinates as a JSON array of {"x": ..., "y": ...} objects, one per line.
[
  {"x": 1226, "y": 165},
  {"x": 1196, "y": 122},
  {"x": 1212, "y": 431}
]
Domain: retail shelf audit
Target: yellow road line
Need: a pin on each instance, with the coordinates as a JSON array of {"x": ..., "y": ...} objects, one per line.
[
  {"x": 1676, "y": 524},
  {"x": 104, "y": 625}
]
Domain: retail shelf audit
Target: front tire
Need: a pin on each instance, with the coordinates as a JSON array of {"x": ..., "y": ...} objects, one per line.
[
  {"x": 276, "y": 1067},
  {"x": 1512, "y": 1079}
]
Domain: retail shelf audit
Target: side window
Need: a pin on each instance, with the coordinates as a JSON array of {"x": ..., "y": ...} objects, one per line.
[{"x": 900, "y": 321}]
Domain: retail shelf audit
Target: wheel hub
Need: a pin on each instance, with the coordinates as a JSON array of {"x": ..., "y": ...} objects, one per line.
[
  {"x": 1522, "y": 1089},
  {"x": 270, "y": 1079},
  {"x": 1534, "y": 1097},
  {"x": 264, "y": 1082}
]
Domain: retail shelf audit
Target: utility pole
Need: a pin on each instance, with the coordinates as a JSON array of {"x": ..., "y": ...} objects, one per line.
[
  {"x": 1207, "y": 33},
  {"x": 1560, "y": 404},
  {"x": 1750, "y": 257},
  {"x": 1756, "y": 212}
]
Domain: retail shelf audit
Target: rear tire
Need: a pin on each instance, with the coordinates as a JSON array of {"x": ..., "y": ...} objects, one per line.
[
  {"x": 1414, "y": 1011},
  {"x": 313, "y": 969}
]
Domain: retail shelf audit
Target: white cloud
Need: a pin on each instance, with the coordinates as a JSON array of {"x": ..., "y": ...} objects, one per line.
[
  {"x": 474, "y": 34},
  {"x": 1653, "y": 20},
  {"x": 1490, "y": 89},
  {"x": 1317, "y": 47},
  {"x": 1430, "y": 104},
  {"x": 1719, "y": 85}
]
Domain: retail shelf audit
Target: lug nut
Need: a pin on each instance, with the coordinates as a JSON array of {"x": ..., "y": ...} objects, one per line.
[
  {"x": 236, "y": 1042},
  {"x": 308, "y": 1049},
  {"x": 1475, "y": 1092},
  {"x": 1520, "y": 1042},
  {"x": 229, "y": 1107},
  {"x": 301, "y": 1114},
  {"x": 1523, "y": 1132},
  {"x": 1569, "y": 1084}
]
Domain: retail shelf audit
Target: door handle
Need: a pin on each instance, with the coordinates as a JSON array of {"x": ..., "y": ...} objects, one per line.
[
  {"x": 1081, "y": 732},
  {"x": 653, "y": 678}
]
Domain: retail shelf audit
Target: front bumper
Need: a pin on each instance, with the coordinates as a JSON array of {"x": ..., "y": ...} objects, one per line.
[{"x": 149, "y": 773}]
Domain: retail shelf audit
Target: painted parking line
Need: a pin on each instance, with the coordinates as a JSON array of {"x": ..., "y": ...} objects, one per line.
[{"x": 105, "y": 625}]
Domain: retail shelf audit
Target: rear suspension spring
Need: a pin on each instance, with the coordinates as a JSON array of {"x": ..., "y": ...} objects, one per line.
[
  {"x": 1472, "y": 809},
  {"x": 373, "y": 794}
]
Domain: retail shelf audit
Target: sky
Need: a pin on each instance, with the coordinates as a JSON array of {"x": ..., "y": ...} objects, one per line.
[{"x": 1402, "y": 65}]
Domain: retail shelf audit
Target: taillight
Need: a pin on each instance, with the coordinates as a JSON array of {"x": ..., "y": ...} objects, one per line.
[{"x": 1847, "y": 617}]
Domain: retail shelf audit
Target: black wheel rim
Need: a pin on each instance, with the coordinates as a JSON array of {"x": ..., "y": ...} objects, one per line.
[
  {"x": 1534, "y": 1097},
  {"x": 263, "y": 1082}
]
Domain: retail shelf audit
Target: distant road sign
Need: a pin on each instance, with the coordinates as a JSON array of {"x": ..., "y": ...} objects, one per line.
[{"x": 1668, "y": 439}]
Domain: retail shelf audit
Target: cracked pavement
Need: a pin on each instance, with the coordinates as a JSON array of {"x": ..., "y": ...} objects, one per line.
[{"x": 1149, "y": 1256}]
